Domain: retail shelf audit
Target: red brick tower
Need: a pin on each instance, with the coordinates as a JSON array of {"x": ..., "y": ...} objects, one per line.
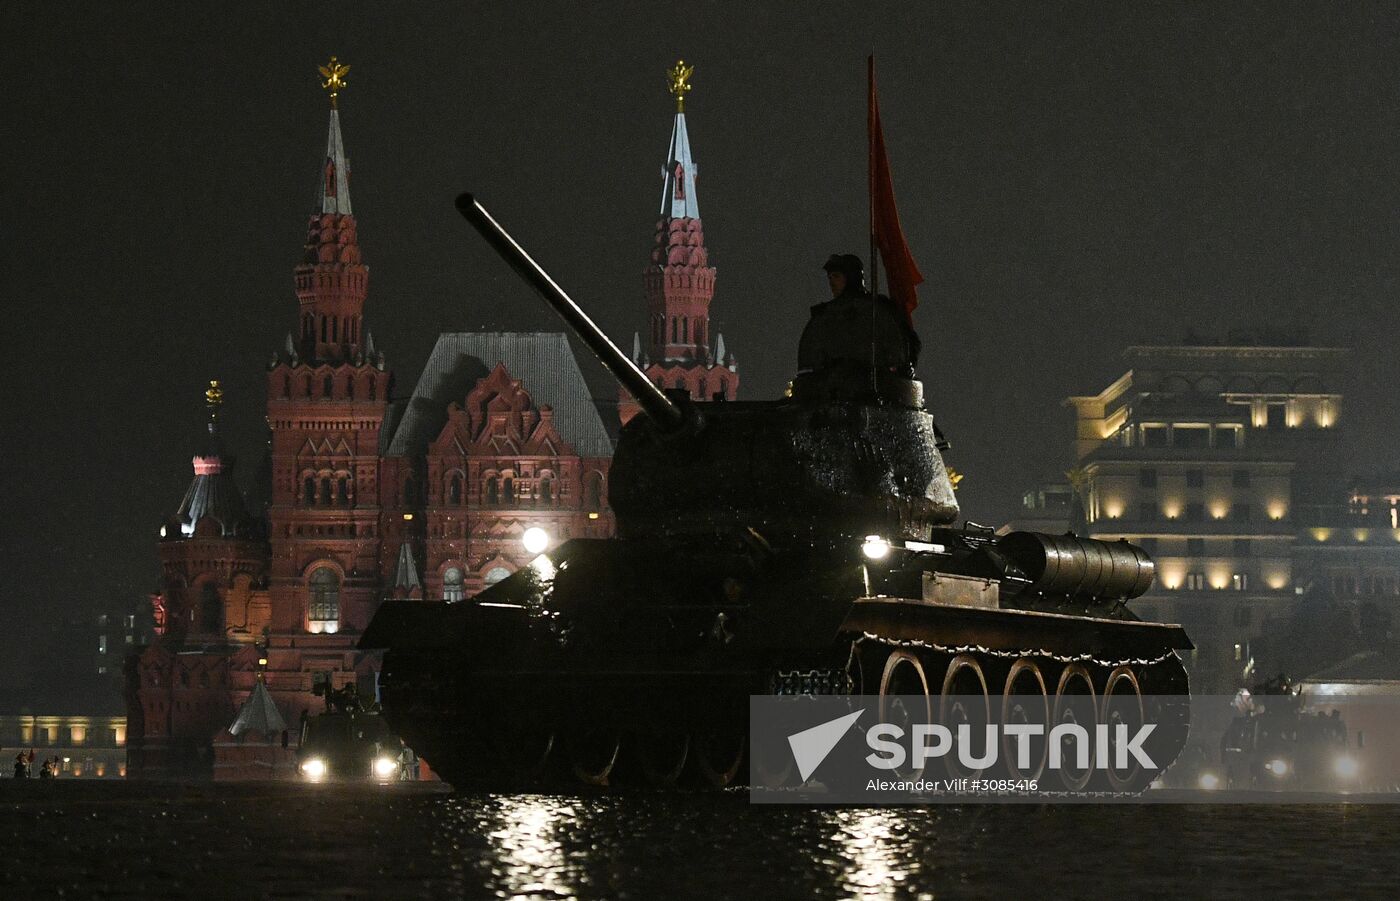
[
  {"x": 212, "y": 560},
  {"x": 680, "y": 351},
  {"x": 326, "y": 399}
]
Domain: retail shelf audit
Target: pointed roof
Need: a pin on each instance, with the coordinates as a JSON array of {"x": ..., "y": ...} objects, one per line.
[
  {"x": 543, "y": 362},
  {"x": 335, "y": 172},
  {"x": 678, "y": 199},
  {"x": 406, "y": 571},
  {"x": 213, "y": 494},
  {"x": 258, "y": 714}
]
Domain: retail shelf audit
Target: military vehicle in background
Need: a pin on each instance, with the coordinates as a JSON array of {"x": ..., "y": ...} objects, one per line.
[
  {"x": 348, "y": 742},
  {"x": 795, "y": 546},
  {"x": 1275, "y": 744}
]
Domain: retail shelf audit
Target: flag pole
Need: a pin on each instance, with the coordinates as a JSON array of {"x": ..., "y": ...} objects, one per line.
[{"x": 870, "y": 173}]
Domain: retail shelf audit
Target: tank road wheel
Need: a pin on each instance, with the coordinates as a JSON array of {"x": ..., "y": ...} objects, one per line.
[
  {"x": 904, "y": 697},
  {"x": 964, "y": 702},
  {"x": 521, "y": 753},
  {"x": 1024, "y": 701},
  {"x": 663, "y": 754},
  {"x": 1122, "y": 706},
  {"x": 1074, "y": 706},
  {"x": 718, "y": 756},
  {"x": 593, "y": 754}
]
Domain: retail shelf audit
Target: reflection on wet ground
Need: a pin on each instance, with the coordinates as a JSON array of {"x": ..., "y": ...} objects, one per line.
[{"x": 130, "y": 840}]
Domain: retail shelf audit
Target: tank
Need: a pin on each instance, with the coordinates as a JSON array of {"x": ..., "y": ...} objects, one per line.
[{"x": 804, "y": 545}]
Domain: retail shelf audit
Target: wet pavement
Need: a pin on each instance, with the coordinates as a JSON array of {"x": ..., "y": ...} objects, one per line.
[{"x": 117, "y": 839}]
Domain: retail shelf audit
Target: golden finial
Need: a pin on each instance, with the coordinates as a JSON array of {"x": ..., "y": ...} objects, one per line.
[
  {"x": 213, "y": 397},
  {"x": 678, "y": 82},
  {"x": 334, "y": 73},
  {"x": 955, "y": 478}
]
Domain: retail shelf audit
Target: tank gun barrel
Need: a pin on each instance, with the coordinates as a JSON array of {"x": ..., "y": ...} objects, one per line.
[{"x": 657, "y": 406}]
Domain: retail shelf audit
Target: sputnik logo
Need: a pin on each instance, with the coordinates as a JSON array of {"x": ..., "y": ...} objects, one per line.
[{"x": 811, "y": 746}]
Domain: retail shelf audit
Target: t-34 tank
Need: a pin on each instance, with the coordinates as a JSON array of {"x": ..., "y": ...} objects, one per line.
[{"x": 801, "y": 545}]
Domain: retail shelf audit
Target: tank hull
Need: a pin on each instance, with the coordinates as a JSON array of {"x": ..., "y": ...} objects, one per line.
[{"x": 589, "y": 668}]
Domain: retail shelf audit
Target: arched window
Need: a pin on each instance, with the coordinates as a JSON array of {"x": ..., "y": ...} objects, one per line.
[
  {"x": 492, "y": 491},
  {"x": 508, "y": 490},
  {"x": 410, "y": 492},
  {"x": 454, "y": 489},
  {"x": 350, "y": 388},
  {"x": 593, "y": 492},
  {"x": 323, "y": 329},
  {"x": 342, "y": 491},
  {"x": 326, "y": 491},
  {"x": 327, "y": 387},
  {"x": 335, "y": 329},
  {"x": 673, "y": 330},
  {"x": 308, "y": 386},
  {"x": 373, "y": 385},
  {"x": 685, "y": 331},
  {"x": 701, "y": 389},
  {"x": 308, "y": 493},
  {"x": 546, "y": 492},
  {"x": 495, "y": 574},
  {"x": 452, "y": 587},
  {"x": 211, "y": 609},
  {"x": 286, "y": 386},
  {"x": 323, "y": 611}
]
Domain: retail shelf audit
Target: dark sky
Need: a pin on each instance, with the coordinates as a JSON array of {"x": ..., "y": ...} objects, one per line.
[{"x": 1072, "y": 178}]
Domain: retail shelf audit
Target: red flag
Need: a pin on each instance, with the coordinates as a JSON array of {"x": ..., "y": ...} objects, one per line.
[{"x": 885, "y": 233}]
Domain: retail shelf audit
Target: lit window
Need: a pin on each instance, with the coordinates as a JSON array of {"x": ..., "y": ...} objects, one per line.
[
  {"x": 1240, "y": 581},
  {"x": 324, "y": 608},
  {"x": 496, "y": 574}
]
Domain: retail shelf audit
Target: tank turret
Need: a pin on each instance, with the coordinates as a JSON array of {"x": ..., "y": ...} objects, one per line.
[{"x": 820, "y": 465}]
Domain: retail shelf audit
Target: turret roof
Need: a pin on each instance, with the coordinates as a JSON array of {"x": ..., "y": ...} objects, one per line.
[
  {"x": 258, "y": 714},
  {"x": 678, "y": 198}
]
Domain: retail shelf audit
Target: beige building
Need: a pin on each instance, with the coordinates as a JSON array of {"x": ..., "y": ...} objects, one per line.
[
  {"x": 86, "y": 746},
  {"x": 1203, "y": 454}
]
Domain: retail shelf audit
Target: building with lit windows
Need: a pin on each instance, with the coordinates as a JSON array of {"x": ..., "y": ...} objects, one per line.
[
  {"x": 1207, "y": 455},
  {"x": 87, "y": 746}
]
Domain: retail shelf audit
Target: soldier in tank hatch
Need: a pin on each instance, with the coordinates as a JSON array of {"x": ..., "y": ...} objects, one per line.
[{"x": 853, "y": 330}]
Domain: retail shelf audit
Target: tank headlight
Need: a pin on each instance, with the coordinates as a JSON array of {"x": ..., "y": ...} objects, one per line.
[
  {"x": 875, "y": 547},
  {"x": 1209, "y": 782},
  {"x": 1278, "y": 766},
  {"x": 535, "y": 540},
  {"x": 384, "y": 767},
  {"x": 1345, "y": 766},
  {"x": 314, "y": 768}
]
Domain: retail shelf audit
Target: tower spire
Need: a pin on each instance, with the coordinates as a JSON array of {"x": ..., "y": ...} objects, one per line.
[
  {"x": 335, "y": 174},
  {"x": 679, "y": 280},
  {"x": 678, "y": 199}
]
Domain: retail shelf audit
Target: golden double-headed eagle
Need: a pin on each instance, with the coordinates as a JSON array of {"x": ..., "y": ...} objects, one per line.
[
  {"x": 334, "y": 73},
  {"x": 678, "y": 82}
]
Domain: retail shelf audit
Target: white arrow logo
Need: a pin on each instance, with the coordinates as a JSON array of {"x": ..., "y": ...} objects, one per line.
[{"x": 811, "y": 746}]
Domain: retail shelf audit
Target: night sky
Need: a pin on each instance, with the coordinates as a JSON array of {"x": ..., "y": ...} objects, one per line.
[{"x": 1072, "y": 180}]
